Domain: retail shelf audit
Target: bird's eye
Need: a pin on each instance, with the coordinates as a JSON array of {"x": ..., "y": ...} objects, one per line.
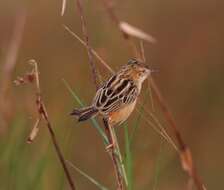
[
  {"x": 140, "y": 73},
  {"x": 132, "y": 61},
  {"x": 143, "y": 71}
]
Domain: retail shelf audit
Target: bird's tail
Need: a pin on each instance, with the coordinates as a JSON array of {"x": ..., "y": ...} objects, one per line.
[{"x": 84, "y": 113}]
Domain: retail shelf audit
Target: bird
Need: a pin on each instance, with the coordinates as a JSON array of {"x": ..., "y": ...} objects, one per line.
[{"x": 116, "y": 99}]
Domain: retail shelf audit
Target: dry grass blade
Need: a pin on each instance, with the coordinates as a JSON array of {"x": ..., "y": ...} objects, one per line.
[
  {"x": 186, "y": 160},
  {"x": 158, "y": 128},
  {"x": 93, "y": 51},
  {"x": 63, "y": 7},
  {"x": 135, "y": 32},
  {"x": 163, "y": 131},
  {"x": 151, "y": 95},
  {"x": 34, "y": 131},
  {"x": 142, "y": 51}
]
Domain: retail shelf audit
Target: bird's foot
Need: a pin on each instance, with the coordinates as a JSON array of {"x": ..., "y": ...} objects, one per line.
[{"x": 110, "y": 147}]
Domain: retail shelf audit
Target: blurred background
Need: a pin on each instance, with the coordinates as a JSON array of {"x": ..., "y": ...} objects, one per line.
[{"x": 188, "y": 54}]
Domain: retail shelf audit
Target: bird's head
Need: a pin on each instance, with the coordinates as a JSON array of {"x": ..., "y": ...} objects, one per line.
[{"x": 137, "y": 70}]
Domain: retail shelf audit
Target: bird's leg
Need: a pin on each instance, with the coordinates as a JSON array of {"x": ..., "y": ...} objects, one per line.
[
  {"x": 109, "y": 134},
  {"x": 110, "y": 146},
  {"x": 111, "y": 150}
]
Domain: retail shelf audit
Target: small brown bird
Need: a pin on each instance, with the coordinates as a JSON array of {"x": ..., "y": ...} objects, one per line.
[{"x": 116, "y": 98}]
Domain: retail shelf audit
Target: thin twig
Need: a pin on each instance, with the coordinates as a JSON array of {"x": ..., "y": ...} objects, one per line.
[
  {"x": 56, "y": 145},
  {"x": 94, "y": 74},
  {"x": 86, "y": 37},
  {"x": 185, "y": 153},
  {"x": 43, "y": 114}
]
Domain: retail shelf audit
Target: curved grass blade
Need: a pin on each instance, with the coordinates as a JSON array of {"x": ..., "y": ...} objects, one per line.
[
  {"x": 137, "y": 123},
  {"x": 93, "y": 120},
  {"x": 100, "y": 186}
]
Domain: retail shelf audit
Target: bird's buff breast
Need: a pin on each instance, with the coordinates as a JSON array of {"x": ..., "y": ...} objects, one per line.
[{"x": 121, "y": 115}]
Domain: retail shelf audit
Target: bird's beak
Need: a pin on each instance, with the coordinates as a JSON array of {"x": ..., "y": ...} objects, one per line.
[
  {"x": 154, "y": 70},
  {"x": 151, "y": 70}
]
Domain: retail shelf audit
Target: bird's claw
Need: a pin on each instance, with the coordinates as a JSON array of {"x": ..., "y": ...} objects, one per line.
[{"x": 110, "y": 147}]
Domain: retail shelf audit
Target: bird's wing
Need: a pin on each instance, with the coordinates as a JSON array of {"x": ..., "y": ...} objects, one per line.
[{"x": 115, "y": 94}]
